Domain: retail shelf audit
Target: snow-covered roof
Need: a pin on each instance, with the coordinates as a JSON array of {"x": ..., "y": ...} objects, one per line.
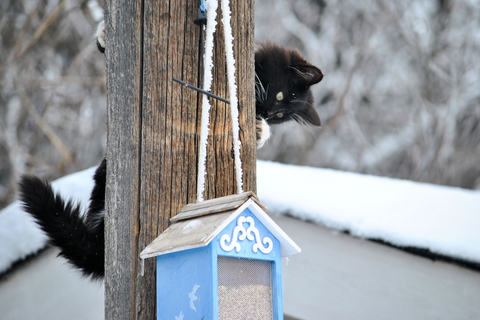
[
  {"x": 198, "y": 224},
  {"x": 444, "y": 220}
]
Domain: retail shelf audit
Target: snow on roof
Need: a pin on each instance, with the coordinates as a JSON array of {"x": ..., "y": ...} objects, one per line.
[
  {"x": 441, "y": 219},
  {"x": 444, "y": 220}
]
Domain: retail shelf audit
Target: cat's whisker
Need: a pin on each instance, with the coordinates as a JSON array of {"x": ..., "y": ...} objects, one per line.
[
  {"x": 266, "y": 94},
  {"x": 303, "y": 121},
  {"x": 302, "y": 101},
  {"x": 260, "y": 89},
  {"x": 258, "y": 92},
  {"x": 299, "y": 119}
]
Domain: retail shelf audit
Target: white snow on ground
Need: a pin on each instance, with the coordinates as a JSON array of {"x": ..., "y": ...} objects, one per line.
[
  {"x": 442, "y": 219},
  {"x": 20, "y": 236}
]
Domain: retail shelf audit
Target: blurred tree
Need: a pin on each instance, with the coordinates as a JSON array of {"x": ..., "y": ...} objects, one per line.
[{"x": 52, "y": 90}]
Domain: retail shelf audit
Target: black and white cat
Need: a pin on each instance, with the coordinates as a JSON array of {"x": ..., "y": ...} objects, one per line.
[{"x": 283, "y": 80}]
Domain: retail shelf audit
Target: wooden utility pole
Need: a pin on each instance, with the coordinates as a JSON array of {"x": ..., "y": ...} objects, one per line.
[{"x": 153, "y": 133}]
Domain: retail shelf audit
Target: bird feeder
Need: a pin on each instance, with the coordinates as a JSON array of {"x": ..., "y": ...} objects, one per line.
[{"x": 221, "y": 259}]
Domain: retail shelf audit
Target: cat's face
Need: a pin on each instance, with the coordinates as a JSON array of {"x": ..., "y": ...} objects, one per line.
[{"x": 283, "y": 80}]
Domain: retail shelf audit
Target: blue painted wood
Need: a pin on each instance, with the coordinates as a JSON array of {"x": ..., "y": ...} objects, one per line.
[
  {"x": 246, "y": 250},
  {"x": 277, "y": 289},
  {"x": 179, "y": 274},
  {"x": 215, "y": 283}
]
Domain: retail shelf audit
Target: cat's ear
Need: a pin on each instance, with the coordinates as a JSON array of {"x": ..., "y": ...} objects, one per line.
[
  {"x": 307, "y": 74},
  {"x": 310, "y": 115},
  {"x": 100, "y": 36}
]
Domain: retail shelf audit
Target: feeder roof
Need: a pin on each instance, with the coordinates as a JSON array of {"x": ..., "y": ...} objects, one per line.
[{"x": 198, "y": 224}]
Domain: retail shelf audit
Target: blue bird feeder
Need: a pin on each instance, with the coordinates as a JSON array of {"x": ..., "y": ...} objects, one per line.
[{"x": 221, "y": 259}]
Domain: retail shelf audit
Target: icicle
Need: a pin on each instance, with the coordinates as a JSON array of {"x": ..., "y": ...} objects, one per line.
[
  {"x": 211, "y": 6},
  {"x": 232, "y": 89}
]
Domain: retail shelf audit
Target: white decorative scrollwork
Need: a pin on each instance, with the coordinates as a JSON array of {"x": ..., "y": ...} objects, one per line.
[
  {"x": 256, "y": 236},
  {"x": 251, "y": 233},
  {"x": 234, "y": 244}
]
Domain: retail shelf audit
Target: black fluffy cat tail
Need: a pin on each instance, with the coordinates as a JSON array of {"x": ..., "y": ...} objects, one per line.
[{"x": 80, "y": 244}]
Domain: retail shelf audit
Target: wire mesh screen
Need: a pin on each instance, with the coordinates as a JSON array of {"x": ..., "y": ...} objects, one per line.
[{"x": 244, "y": 289}]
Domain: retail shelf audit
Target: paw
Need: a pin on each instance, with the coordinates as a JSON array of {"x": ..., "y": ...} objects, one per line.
[
  {"x": 263, "y": 132},
  {"x": 100, "y": 36}
]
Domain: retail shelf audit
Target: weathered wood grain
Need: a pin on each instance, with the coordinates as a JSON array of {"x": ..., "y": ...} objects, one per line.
[
  {"x": 153, "y": 133},
  {"x": 206, "y": 207},
  {"x": 124, "y": 116}
]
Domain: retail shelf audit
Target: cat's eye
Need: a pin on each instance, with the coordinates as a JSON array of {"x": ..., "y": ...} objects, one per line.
[
  {"x": 279, "y": 96},
  {"x": 279, "y": 115}
]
